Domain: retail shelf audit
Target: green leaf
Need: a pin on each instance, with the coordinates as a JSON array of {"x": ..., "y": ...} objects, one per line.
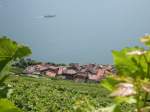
[
  {"x": 129, "y": 100},
  {"x": 129, "y": 65},
  {"x": 117, "y": 109},
  {"x": 7, "y": 106},
  {"x": 11, "y": 50},
  {"x": 109, "y": 83},
  {"x": 3, "y": 78}
]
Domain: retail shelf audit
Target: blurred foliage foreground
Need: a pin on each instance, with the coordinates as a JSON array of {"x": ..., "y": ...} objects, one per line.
[
  {"x": 10, "y": 51},
  {"x": 132, "y": 83}
]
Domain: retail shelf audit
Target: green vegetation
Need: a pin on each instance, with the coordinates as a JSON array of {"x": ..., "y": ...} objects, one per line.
[
  {"x": 132, "y": 83},
  {"x": 9, "y": 52},
  {"x": 47, "y": 95},
  {"x": 7, "y": 106},
  {"x": 23, "y": 63}
]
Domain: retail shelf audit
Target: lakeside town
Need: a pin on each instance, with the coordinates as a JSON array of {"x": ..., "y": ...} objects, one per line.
[{"x": 73, "y": 71}]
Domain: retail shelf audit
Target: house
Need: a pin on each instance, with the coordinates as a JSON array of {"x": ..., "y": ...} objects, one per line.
[
  {"x": 81, "y": 77},
  {"x": 72, "y": 72},
  {"x": 50, "y": 73},
  {"x": 100, "y": 74},
  {"x": 69, "y": 73}
]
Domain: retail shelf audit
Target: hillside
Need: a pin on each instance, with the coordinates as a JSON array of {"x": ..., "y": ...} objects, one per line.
[{"x": 49, "y": 95}]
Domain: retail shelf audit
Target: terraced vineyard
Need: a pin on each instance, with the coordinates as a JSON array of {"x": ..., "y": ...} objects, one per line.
[
  {"x": 46, "y": 95},
  {"x": 49, "y": 95}
]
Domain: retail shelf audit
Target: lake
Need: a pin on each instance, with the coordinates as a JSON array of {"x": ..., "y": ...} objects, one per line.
[{"x": 80, "y": 31}]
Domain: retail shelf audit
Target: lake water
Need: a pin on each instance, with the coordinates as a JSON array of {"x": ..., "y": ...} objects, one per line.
[{"x": 83, "y": 31}]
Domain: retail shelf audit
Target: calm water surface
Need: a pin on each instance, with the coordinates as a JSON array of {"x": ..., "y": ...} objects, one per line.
[{"x": 83, "y": 31}]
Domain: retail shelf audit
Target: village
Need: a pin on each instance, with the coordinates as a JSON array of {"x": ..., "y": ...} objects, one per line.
[{"x": 74, "y": 71}]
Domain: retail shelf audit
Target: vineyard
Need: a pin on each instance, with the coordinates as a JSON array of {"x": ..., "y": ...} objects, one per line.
[{"x": 49, "y": 95}]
